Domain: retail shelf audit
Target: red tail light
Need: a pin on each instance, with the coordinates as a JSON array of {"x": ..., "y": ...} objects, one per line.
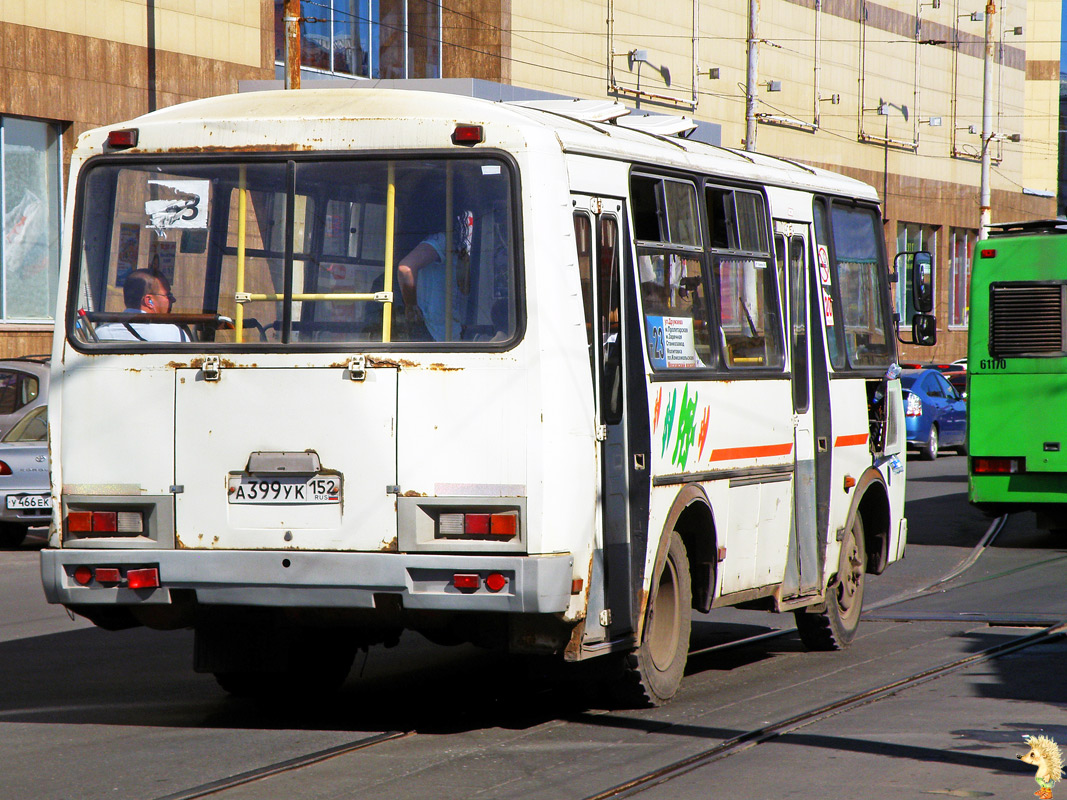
[
  {"x": 83, "y": 575},
  {"x": 989, "y": 465},
  {"x": 147, "y": 578},
  {"x": 504, "y": 525},
  {"x": 495, "y": 582},
  {"x": 105, "y": 521},
  {"x": 4, "y": 468}
]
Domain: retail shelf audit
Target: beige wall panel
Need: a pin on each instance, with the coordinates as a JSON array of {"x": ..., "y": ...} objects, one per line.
[{"x": 126, "y": 22}]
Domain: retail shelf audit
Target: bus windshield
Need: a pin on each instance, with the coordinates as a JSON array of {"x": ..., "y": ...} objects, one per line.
[{"x": 293, "y": 252}]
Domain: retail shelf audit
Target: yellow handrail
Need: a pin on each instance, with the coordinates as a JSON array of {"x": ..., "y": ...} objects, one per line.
[
  {"x": 242, "y": 208},
  {"x": 251, "y": 297},
  {"x": 390, "y": 226}
]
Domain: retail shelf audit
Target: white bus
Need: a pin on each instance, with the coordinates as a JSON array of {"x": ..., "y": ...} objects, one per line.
[{"x": 526, "y": 376}]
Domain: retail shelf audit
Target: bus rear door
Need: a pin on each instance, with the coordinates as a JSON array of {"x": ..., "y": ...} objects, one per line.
[{"x": 268, "y": 473}]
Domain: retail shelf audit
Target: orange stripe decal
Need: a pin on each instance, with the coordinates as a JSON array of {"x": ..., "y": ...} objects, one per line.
[
  {"x": 851, "y": 439},
  {"x": 758, "y": 451}
]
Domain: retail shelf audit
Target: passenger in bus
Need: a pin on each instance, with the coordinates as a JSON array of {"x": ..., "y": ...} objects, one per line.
[
  {"x": 144, "y": 292},
  {"x": 422, "y": 273}
]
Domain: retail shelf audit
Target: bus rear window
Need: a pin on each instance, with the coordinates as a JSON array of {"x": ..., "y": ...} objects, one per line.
[{"x": 295, "y": 253}]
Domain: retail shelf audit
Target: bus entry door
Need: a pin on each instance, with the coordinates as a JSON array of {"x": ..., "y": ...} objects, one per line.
[
  {"x": 802, "y": 570},
  {"x": 597, "y": 231},
  {"x": 286, "y": 458}
]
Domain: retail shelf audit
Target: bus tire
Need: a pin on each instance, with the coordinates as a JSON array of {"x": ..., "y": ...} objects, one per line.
[
  {"x": 653, "y": 672},
  {"x": 930, "y": 450},
  {"x": 834, "y": 627}
]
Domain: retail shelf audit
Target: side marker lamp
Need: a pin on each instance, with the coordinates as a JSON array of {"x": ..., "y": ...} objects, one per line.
[
  {"x": 468, "y": 134},
  {"x": 123, "y": 138},
  {"x": 989, "y": 253}
]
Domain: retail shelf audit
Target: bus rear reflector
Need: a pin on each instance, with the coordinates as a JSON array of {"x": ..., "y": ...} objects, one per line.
[
  {"x": 147, "y": 578},
  {"x": 495, "y": 582},
  {"x": 987, "y": 465},
  {"x": 108, "y": 575},
  {"x": 466, "y": 581},
  {"x": 83, "y": 575}
]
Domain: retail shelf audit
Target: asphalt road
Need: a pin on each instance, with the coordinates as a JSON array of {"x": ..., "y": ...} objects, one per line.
[{"x": 87, "y": 714}]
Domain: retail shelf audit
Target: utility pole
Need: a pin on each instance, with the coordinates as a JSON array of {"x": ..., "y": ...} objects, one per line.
[
  {"x": 292, "y": 44},
  {"x": 985, "y": 213},
  {"x": 752, "y": 74}
]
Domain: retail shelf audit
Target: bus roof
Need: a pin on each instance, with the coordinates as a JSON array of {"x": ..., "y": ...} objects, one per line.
[{"x": 307, "y": 120}]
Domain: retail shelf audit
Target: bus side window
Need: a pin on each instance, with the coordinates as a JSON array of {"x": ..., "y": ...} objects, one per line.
[
  {"x": 583, "y": 240},
  {"x": 610, "y": 327},
  {"x": 746, "y": 280}
]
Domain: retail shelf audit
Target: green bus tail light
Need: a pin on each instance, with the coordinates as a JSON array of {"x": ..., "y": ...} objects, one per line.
[{"x": 985, "y": 465}]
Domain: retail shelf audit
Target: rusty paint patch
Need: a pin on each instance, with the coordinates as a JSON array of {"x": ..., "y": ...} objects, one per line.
[
  {"x": 444, "y": 367},
  {"x": 413, "y": 493},
  {"x": 574, "y": 645},
  {"x": 180, "y": 364},
  {"x": 387, "y": 363},
  {"x": 252, "y": 148},
  {"x": 388, "y": 545}
]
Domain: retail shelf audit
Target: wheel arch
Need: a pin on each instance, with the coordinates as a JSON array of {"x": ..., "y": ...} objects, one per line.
[
  {"x": 871, "y": 502},
  {"x": 691, "y": 515}
]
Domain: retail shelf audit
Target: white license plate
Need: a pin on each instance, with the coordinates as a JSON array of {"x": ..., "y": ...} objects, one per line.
[
  {"x": 315, "y": 490},
  {"x": 29, "y": 501}
]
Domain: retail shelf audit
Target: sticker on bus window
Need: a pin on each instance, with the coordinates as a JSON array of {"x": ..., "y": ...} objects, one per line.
[
  {"x": 828, "y": 308},
  {"x": 824, "y": 266},
  {"x": 670, "y": 342},
  {"x": 179, "y": 204}
]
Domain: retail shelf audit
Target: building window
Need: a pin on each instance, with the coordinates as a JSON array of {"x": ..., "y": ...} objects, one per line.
[
  {"x": 366, "y": 38},
  {"x": 961, "y": 251},
  {"x": 911, "y": 237},
  {"x": 30, "y": 165}
]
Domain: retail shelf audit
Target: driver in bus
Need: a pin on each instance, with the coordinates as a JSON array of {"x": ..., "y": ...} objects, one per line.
[{"x": 144, "y": 292}]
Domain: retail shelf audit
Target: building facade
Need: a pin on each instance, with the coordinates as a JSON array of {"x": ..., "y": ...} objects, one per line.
[{"x": 890, "y": 92}]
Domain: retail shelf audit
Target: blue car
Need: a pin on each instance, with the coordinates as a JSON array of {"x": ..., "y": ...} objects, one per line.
[{"x": 935, "y": 414}]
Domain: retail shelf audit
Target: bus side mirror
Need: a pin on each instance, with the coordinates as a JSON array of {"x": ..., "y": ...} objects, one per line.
[
  {"x": 922, "y": 282},
  {"x": 923, "y": 330}
]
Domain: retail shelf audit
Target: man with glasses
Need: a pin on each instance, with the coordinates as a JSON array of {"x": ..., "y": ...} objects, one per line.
[{"x": 144, "y": 292}]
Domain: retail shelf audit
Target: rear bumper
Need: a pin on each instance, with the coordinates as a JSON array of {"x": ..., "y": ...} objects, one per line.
[{"x": 295, "y": 579}]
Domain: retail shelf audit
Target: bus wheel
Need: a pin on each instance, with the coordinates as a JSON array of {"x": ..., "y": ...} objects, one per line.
[
  {"x": 933, "y": 444},
  {"x": 653, "y": 672},
  {"x": 834, "y": 627}
]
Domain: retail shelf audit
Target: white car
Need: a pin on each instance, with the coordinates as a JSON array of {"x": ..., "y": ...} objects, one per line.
[{"x": 25, "y": 490}]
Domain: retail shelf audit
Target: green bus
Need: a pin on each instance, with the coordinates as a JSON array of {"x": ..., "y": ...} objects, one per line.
[{"x": 1017, "y": 372}]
